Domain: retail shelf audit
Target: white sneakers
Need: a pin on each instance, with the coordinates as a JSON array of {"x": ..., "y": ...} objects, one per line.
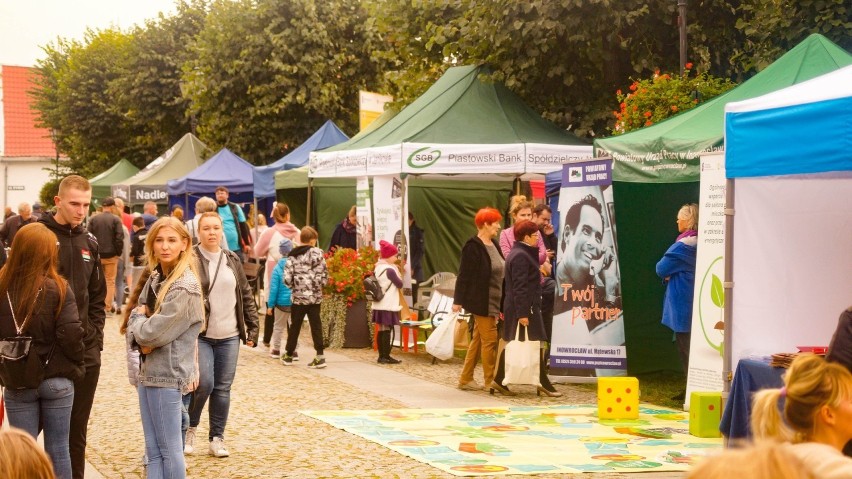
[
  {"x": 217, "y": 445},
  {"x": 189, "y": 441},
  {"x": 217, "y": 448}
]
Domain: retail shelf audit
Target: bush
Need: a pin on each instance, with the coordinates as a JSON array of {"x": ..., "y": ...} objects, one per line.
[
  {"x": 347, "y": 269},
  {"x": 48, "y": 191},
  {"x": 654, "y": 99}
]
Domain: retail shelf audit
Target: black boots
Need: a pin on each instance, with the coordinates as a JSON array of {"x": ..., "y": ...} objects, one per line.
[{"x": 384, "y": 344}]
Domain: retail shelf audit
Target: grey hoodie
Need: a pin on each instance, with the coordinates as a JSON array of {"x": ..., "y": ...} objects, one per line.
[{"x": 172, "y": 332}]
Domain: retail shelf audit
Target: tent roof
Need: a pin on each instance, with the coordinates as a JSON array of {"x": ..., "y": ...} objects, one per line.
[
  {"x": 184, "y": 156},
  {"x": 802, "y": 129},
  {"x": 122, "y": 170},
  {"x": 264, "y": 176},
  {"x": 461, "y": 108},
  {"x": 222, "y": 169},
  {"x": 675, "y": 144}
]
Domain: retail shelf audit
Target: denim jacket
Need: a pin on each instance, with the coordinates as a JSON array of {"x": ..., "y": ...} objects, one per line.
[{"x": 172, "y": 332}]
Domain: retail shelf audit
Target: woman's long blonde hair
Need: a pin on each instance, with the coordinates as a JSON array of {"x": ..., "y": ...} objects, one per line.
[
  {"x": 34, "y": 257},
  {"x": 809, "y": 384},
  {"x": 22, "y": 458},
  {"x": 186, "y": 260}
]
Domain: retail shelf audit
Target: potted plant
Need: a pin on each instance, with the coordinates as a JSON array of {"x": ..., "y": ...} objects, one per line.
[{"x": 345, "y": 312}]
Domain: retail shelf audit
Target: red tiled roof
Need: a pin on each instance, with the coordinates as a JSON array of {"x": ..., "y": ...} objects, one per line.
[{"x": 22, "y": 137}]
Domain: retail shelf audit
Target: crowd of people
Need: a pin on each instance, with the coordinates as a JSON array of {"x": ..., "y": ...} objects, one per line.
[{"x": 192, "y": 306}]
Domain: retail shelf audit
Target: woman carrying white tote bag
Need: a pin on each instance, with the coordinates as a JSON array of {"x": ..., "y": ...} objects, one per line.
[{"x": 522, "y": 310}]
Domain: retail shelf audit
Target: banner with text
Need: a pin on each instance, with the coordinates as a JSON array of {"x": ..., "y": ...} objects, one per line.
[
  {"x": 588, "y": 322},
  {"x": 421, "y": 158},
  {"x": 391, "y": 222},
  {"x": 364, "y": 212},
  {"x": 708, "y": 321},
  {"x": 544, "y": 158}
]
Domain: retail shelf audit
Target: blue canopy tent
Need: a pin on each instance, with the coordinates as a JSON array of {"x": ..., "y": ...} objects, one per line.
[
  {"x": 264, "y": 176},
  {"x": 223, "y": 169}
]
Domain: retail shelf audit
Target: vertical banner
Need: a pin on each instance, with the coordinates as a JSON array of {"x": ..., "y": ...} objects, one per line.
[
  {"x": 708, "y": 322},
  {"x": 363, "y": 211},
  {"x": 588, "y": 322},
  {"x": 391, "y": 225}
]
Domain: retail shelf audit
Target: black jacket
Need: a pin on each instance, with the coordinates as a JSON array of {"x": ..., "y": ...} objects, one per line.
[
  {"x": 11, "y": 227},
  {"x": 840, "y": 348},
  {"x": 246, "y": 308},
  {"x": 522, "y": 296},
  {"x": 341, "y": 239},
  {"x": 47, "y": 330},
  {"x": 80, "y": 264},
  {"x": 474, "y": 277},
  {"x": 415, "y": 235},
  {"x": 110, "y": 235}
]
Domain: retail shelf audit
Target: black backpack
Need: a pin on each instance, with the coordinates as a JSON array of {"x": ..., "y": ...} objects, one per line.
[{"x": 372, "y": 288}]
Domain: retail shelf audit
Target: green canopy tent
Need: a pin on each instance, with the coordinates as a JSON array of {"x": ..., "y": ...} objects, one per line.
[
  {"x": 150, "y": 183},
  {"x": 442, "y": 208},
  {"x": 656, "y": 171},
  {"x": 478, "y": 131},
  {"x": 102, "y": 184}
]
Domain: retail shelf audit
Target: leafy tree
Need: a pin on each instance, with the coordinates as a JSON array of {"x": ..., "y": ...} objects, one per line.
[
  {"x": 772, "y": 27},
  {"x": 147, "y": 92},
  {"x": 266, "y": 74}
]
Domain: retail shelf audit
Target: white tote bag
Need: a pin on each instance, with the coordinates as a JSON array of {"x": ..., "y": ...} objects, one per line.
[
  {"x": 441, "y": 342},
  {"x": 522, "y": 360}
]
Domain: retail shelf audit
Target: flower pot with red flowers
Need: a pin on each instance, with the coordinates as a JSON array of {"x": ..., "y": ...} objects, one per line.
[{"x": 345, "y": 313}]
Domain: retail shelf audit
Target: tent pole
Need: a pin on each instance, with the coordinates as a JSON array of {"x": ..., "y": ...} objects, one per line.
[
  {"x": 516, "y": 185},
  {"x": 727, "y": 367},
  {"x": 308, "y": 207}
]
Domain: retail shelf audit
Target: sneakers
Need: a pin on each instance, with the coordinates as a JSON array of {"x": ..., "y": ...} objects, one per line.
[
  {"x": 189, "y": 441},
  {"x": 287, "y": 360},
  {"x": 317, "y": 363},
  {"x": 274, "y": 354},
  {"x": 217, "y": 448},
  {"x": 295, "y": 355}
]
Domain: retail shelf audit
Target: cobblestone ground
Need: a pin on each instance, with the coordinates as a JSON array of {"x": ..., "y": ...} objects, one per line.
[{"x": 266, "y": 435}]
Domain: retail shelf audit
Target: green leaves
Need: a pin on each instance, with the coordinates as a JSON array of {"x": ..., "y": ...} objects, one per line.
[{"x": 717, "y": 292}]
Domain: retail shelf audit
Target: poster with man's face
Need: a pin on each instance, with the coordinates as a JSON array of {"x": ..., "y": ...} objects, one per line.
[{"x": 588, "y": 323}]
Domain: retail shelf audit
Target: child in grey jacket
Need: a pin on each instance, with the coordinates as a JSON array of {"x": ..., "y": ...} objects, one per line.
[{"x": 305, "y": 274}]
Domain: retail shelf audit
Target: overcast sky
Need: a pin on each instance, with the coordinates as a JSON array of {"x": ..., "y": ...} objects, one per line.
[{"x": 25, "y": 25}]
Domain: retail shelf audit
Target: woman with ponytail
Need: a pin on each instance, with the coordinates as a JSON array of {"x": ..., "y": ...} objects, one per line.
[
  {"x": 816, "y": 418},
  {"x": 165, "y": 328}
]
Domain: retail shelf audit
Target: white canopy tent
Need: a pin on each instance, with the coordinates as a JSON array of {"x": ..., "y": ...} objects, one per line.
[{"x": 789, "y": 243}]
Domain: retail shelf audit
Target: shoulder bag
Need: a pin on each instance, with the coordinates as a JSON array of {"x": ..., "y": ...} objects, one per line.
[{"x": 20, "y": 365}]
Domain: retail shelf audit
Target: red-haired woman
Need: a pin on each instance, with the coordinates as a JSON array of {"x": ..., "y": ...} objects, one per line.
[
  {"x": 36, "y": 302},
  {"x": 479, "y": 290}
]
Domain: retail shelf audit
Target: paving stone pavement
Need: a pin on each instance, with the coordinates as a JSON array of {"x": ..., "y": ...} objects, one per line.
[{"x": 269, "y": 438}]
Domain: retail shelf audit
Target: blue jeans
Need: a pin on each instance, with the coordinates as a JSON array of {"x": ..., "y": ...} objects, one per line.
[
  {"x": 217, "y": 364},
  {"x": 184, "y": 415},
  {"x": 119, "y": 285},
  {"x": 160, "y": 411},
  {"x": 51, "y": 403}
]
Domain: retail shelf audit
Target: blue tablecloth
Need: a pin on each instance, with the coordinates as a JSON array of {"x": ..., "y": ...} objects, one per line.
[{"x": 751, "y": 376}]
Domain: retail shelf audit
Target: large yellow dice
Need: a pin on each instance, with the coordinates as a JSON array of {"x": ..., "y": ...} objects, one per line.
[
  {"x": 618, "y": 398},
  {"x": 705, "y": 414}
]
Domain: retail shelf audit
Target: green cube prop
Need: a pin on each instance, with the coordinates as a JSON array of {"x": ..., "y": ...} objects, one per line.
[{"x": 705, "y": 414}]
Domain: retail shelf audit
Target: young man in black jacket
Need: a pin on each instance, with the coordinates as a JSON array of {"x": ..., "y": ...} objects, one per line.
[{"x": 80, "y": 265}]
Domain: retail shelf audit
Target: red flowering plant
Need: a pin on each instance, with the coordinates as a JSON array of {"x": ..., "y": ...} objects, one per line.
[
  {"x": 654, "y": 99},
  {"x": 347, "y": 269}
]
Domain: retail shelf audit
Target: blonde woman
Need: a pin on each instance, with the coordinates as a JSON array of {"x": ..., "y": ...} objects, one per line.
[
  {"x": 21, "y": 457},
  {"x": 817, "y": 415},
  {"x": 165, "y": 328},
  {"x": 677, "y": 270}
]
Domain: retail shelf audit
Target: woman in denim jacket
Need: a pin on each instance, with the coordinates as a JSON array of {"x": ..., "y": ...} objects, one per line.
[{"x": 166, "y": 328}]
